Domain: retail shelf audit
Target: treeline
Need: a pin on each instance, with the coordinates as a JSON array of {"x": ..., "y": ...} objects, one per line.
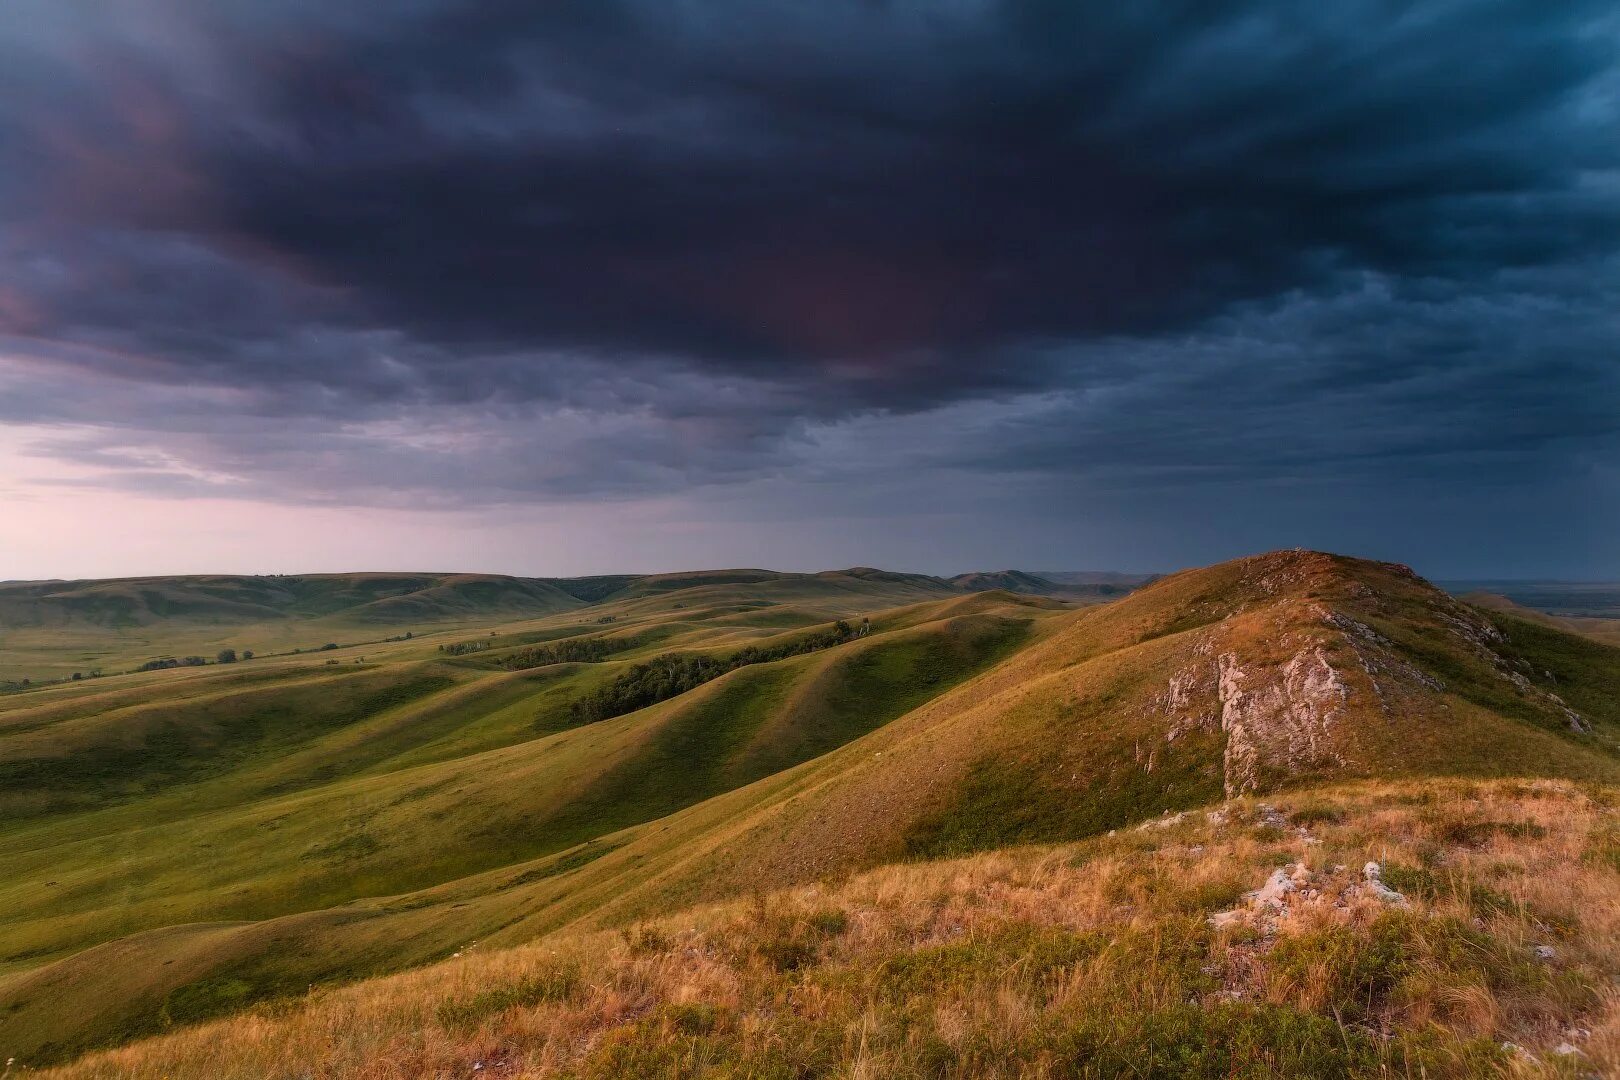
[
  {"x": 567, "y": 651},
  {"x": 169, "y": 662},
  {"x": 463, "y": 648},
  {"x": 224, "y": 656},
  {"x": 672, "y": 674}
]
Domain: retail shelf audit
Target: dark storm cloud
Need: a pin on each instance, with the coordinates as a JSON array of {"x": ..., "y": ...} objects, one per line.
[{"x": 658, "y": 244}]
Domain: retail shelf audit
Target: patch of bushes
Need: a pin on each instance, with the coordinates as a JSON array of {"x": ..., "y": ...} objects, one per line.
[
  {"x": 568, "y": 651},
  {"x": 166, "y": 662},
  {"x": 464, "y": 648},
  {"x": 673, "y": 674}
]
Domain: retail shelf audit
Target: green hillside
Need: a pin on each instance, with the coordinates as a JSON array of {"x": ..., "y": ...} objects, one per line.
[
  {"x": 260, "y": 791},
  {"x": 183, "y": 844},
  {"x": 54, "y": 630}
]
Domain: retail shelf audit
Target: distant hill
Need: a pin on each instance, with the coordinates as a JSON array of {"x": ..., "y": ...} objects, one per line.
[
  {"x": 1598, "y": 629},
  {"x": 52, "y": 629},
  {"x": 1074, "y": 584},
  {"x": 1121, "y": 581},
  {"x": 1580, "y": 599},
  {"x": 125, "y": 603},
  {"x": 1013, "y": 581}
]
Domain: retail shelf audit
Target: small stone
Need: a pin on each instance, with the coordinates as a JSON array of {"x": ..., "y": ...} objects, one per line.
[
  {"x": 1565, "y": 1049},
  {"x": 1545, "y": 952}
]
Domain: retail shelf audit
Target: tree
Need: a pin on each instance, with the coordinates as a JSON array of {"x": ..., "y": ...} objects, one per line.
[
  {"x": 226, "y": 656},
  {"x": 247, "y": 654}
]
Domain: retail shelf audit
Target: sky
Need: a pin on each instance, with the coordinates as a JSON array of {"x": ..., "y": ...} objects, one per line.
[{"x": 640, "y": 285}]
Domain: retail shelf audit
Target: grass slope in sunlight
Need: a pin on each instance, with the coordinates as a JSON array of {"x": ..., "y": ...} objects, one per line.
[
  {"x": 1140, "y": 954},
  {"x": 263, "y": 798}
]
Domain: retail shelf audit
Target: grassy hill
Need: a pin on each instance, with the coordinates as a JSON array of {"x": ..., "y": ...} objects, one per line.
[
  {"x": 1579, "y": 599},
  {"x": 50, "y": 630},
  {"x": 184, "y": 844},
  {"x": 1015, "y": 581}
]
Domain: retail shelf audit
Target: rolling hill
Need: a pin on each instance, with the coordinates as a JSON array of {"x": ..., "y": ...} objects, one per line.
[
  {"x": 1014, "y": 581},
  {"x": 187, "y": 844},
  {"x": 52, "y": 630}
]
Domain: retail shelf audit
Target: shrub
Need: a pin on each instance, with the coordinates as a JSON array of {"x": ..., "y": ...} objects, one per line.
[
  {"x": 645, "y": 940},
  {"x": 1317, "y": 814}
]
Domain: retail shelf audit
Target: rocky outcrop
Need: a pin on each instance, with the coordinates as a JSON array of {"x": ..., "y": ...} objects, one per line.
[
  {"x": 1279, "y": 721},
  {"x": 1311, "y": 658}
]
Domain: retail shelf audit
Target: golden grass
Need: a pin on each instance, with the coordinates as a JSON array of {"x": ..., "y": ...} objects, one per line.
[{"x": 1025, "y": 962}]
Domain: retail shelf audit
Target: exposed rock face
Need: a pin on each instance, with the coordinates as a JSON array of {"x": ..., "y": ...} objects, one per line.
[
  {"x": 1485, "y": 640},
  {"x": 1277, "y": 722},
  {"x": 1307, "y": 656}
]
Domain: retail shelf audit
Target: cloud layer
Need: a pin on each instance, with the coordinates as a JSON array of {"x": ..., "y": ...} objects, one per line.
[{"x": 485, "y": 253}]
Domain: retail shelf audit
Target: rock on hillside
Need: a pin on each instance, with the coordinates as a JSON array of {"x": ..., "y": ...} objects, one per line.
[{"x": 1293, "y": 677}]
